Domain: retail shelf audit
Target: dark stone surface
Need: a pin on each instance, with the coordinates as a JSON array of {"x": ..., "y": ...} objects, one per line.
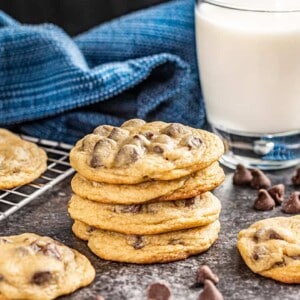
[{"x": 48, "y": 215}]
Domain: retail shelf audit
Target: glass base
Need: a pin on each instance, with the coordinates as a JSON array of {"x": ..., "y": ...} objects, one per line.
[{"x": 263, "y": 151}]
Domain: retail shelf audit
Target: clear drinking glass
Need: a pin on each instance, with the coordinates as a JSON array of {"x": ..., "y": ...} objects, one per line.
[{"x": 249, "y": 63}]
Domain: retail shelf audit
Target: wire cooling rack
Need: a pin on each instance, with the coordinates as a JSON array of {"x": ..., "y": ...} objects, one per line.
[{"x": 58, "y": 169}]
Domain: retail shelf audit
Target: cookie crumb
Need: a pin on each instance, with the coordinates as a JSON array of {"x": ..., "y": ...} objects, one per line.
[
  {"x": 259, "y": 180},
  {"x": 158, "y": 291},
  {"x": 264, "y": 201},
  {"x": 292, "y": 204},
  {"x": 242, "y": 176},
  {"x": 210, "y": 292},
  {"x": 203, "y": 273}
]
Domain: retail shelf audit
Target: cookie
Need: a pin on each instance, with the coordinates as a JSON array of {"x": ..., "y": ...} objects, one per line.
[
  {"x": 147, "y": 249},
  {"x": 185, "y": 187},
  {"x": 271, "y": 248},
  {"x": 35, "y": 267},
  {"x": 148, "y": 218},
  {"x": 20, "y": 161},
  {"x": 139, "y": 151}
]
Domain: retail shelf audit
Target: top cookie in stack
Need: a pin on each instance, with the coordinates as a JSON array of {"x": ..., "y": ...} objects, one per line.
[
  {"x": 142, "y": 191},
  {"x": 138, "y": 151}
]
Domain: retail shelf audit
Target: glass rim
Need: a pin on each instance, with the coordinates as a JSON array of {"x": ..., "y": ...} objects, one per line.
[{"x": 246, "y": 5}]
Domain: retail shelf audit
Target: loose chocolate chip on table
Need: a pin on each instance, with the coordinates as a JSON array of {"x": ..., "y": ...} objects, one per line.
[
  {"x": 158, "y": 291},
  {"x": 277, "y": 193},
  {"x": 264, "y": 201},
  {"x": 296, "y": 177},
  {"x": 242, "y": 176},
  {"x": 210, "y": 292},
  {"x": 259, "y": 180},
  {"x": 41, "y": 278},
  {"x": 138, "y": 243},
  {"x": 292, "y": 204},
  {"x": 203, "y": 273}
]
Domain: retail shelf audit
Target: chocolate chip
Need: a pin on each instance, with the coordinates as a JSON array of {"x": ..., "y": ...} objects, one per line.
[
  {"x": 149, "y": 135},
  {"x": 259, "y": 180},
  {"x": 174, "y": 130},
  {"x": 255, "y": 256},
  {"x": 52, "y": 251},
  {"x": 191, "y": 142},
  {"x": 203, "y": 273},
  {"x": 134, "y": 208},
  {"x": 210, "y": 292},
  {"x": 264, "y": 201},
  {"x": 103, "y": 130},
  {"x": 35, "y": 246},
  {"x": 258, "y": 252},
  {"x": 279, "y": 264},
  {"x": 189, "y": 202},
  {"x": 102, "y": 151},
  {"x": 242, "y": 176},
  {"x": 41, "y": 278},
  {"x": 118, "y": 134},
  {"x": 264, "y": 234},
  {"x": 90, "y": 229},
  {"x": 158, "y": 291},
  {"x": 4, "y": 241},
  {"x": 176, "y": 242},
  {"x": 296, "y": 177},
  {"x": 138, "y": 243},
  {"x": 158, "y": 149},
  {"x": 295, "y": 257},
  {"x": 277, "y": 193},
  {"x": 128, "y": 154},
  {"x": 1, "y": 277},
  {"x": 292, "y": 204}
]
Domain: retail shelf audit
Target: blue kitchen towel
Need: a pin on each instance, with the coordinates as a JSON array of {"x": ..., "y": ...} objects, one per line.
[{"x": 141, "y": 65}]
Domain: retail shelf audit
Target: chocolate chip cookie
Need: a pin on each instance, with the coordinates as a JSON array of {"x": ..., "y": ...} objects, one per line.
[
  {"x": 147, "y": 249},
  {"x": 34, "y": 267},
  {"x": 271, "y": 248},
  {"x": 186, "y": 187},
  {"x": 20, "y": 161},
  {"x": 138, "y": 151},
  {"x": 147, "y": 218}
]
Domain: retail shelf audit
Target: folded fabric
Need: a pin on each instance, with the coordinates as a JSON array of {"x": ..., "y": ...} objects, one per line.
[{"x": 142, "y": 65}]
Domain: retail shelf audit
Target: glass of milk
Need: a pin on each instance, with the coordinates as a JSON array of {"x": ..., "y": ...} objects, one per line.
[{"x": 249, "y": 62}]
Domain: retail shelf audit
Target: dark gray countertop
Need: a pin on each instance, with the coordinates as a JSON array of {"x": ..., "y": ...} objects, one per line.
[{"x": 48, "y": 215}]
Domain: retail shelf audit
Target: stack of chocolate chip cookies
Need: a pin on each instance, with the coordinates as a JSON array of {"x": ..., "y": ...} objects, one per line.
[{"x": 141, "y": 194}]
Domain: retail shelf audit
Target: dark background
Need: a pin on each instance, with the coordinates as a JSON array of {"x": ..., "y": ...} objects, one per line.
[{"x": 74, "y": 16}]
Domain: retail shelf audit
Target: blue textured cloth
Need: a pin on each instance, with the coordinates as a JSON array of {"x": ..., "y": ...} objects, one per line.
[{"x": 141, "y": 65}]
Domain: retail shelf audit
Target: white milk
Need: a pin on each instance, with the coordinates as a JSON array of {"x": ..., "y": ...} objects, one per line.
[{"x": 250, "y": 67}]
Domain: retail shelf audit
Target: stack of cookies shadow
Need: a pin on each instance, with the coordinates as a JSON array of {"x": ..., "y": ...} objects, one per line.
[{"x": 141, "y": 194}]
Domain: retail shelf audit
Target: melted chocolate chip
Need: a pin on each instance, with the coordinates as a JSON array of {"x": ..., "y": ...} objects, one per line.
[
  {"x": 191, "y": 142},
  {"x": 296, "y": 177},
  {"x": 101, "y": 152},
  {"x": 176, "y": 242},
  {"x": 279, "y": 264},
  {"x": 158, "y": 291},
  {"x": 52, "y": 251},
  {"x": 158, "y": 149},
  {"x": 295, "y": 257},
  {"x": 189, "y": 202},
  {"x": 118, "y": 134},
  {"x": 134, "y": 208},
  {"x": 242, "y": 176},
  {"x": 267, "y": 234},
  {"x": 258, "y": 252},
  {"x": 149, "y": 135},
  {"x": 255, "y": 256},
  {"x": 259, "y": 180},
  {"x": 210, "y": 292},
  {"x": 1, "y": 277},
  {"x": 277, "y": 193},
  {"x": 41, "y": 278},
  {"x": 91, "y": 229},
  {"x": 128, "y": 154},
  {"x": 292, "y": 204},
  {"x": 174, "y": 130},
  {"x": 264, "y": 201},
  {"x": 138, "y": 243},
  {"x": 4, "y": 241},
  {"x": 203, "y": 273}
]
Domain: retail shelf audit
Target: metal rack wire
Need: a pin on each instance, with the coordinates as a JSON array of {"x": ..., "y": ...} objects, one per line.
[{"x": 58, "y": 169}]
